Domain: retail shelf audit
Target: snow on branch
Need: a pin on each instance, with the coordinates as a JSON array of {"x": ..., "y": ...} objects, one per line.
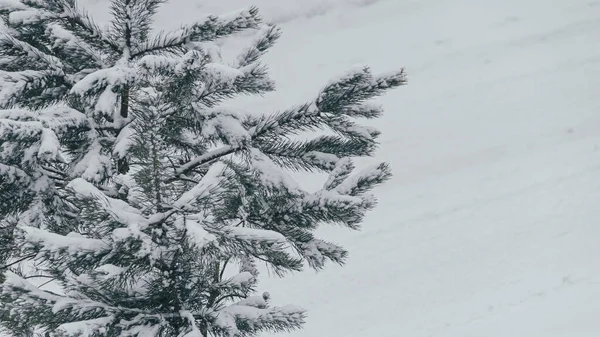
[
  {"x": 106, "y": 81},
  {"x": 33, "y": 54},
  {"x": 365, "y": 110},
  {"x": 267, "y": 245},
  {"x": 125, "y": 140},
  {"x": 209, "y": 184},
  {"x": 25, "y": 131},
  {"x": 224, "y": 125},
  {"x": 10, "y": 175},
  {"x": 222, "y": 73},
  {"x": 95, "y": 164},
  {"x": 347, "y": 128},
  {"x": 16, "y": 185},
  {"x": 21, "y": 115},
  {"x": 355, "y": 87},
  {"x": 47, "y": 244},
  {"x": 74, "y": 45},
  {"x": 23, "y": 303},
  {"x": 317, "y": 252},
  {"x": 87, "y": 328},
  {"x": 321, "y": 153},
  {"x": 43, "y": 142},
  {"x": 120, "y": 210},
  {"x": 187, "y": 64},
  {"x": 268, "y": 35},
  {"x": 331, "y": 206},
  {"x": 49, "y": 149},
  {"x": 132, "y": 19},
  {"x": 15, "y": 281},
  {"x": 340, "y": 172},
  {"x": 365, "y": 180},
  {"x": 302, "y": 118},
  {"x": 211, "y": 28},
  {"x": 194, "y": 331},
  {"x": 86, "y": 29},
  {"x": 197, "y": 235},
  {"x": 153, "y": 63},
  {"x": 79, "y": 310},
  {"x": 292, "y": 121},
  {"x": 206, "y": 158},
  {"x": 254, "y": 235},
  {"x": 12, "y": 5},
  {"x": 270, "y": 174},
  {"x": 60, "y": 118},
  {"x": 20, "y": 83},
  {"x": 50, "y": 124},
  {"x": 255, "y": 301},
  {"x": 30, "y": 16},
  {"x": 254, "y": 320}
]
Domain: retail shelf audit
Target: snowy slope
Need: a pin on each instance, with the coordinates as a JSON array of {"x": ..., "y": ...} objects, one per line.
[{"x": 490, "y": 226}]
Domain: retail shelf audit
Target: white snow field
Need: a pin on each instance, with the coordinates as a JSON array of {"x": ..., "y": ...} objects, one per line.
[{"x": 491, "y": 225}]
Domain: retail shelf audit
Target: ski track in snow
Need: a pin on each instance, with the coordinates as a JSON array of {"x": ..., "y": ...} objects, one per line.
[{"x": 490, "y": 225}]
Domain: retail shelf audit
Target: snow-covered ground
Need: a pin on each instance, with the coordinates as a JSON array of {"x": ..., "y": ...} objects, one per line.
[{"x": 491, "y": 226}]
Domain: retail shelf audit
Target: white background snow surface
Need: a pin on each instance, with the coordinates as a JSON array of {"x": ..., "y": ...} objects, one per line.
[{"x": 491, "y": 225}]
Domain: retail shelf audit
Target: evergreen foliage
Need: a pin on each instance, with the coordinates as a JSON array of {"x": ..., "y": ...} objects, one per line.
[{"x": 146, "y": 204}]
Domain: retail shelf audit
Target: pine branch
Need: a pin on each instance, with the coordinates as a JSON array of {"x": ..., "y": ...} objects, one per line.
[
  {"x": 227, "y": 297},
  {"x": 33, "y": 89},
  {"x": 352, "y": 89},
  {"x": 206, "y": 158},
  {"x": 47, "y": 282},
  {"x": 131, "y": 20},
  {"x": 12, "y": 46},
  {"x": 4, "y": 267},
  {"x": 321, "y": 153},
  {"x": 365, "y": 180},
  {"x": 74, "y": 51},
  {"x": 59, "y": 174},
  {"x": 269, "y": 35},
  {"x": 38, "y": 276},
  {"x": 357, "y": 87},
  {"x": 88, "y": 30},
  {"x": 211, "y": 28}
]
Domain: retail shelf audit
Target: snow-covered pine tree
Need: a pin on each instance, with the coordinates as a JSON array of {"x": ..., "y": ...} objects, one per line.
[
  {"x": 146, "y": 202},
  {"x": 76, "y": 78}
]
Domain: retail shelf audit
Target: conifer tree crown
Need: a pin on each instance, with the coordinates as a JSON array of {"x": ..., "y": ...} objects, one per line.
[{"x": 145, "y": 203}]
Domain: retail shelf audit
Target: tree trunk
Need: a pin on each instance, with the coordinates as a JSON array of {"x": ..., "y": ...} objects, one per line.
[{"x": 122, "y": 165}]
